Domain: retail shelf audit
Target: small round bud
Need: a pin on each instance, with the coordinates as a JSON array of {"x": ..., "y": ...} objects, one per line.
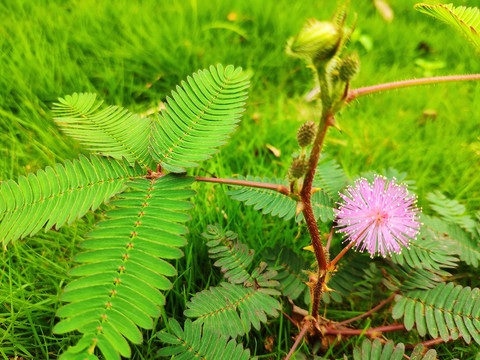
[
  {"x": 318, "y": 40},
  {"x": 297, "y": 169},
  {"x": 349, "y": 67},
  {"x": 306, "y": 134}
]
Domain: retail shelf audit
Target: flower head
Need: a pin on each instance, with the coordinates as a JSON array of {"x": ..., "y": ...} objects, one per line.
[{"x": 380, "y": 217}]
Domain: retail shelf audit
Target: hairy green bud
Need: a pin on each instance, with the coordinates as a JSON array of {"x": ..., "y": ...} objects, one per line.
[
  {"x": 349, "y": 67},
  {"x": 318, "y": 40},
  {"x": 306, "y": 134},
  {"x": 297, "y": 169}
]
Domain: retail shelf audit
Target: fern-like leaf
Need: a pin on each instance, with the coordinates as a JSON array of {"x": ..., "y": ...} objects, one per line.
[
  {"x": 268, "y": 201},
  {"x": 375, "y": 350},
  {"x": 232, "y": 309},
  {"x": 276, "y": 204},
  {"x": 123, "y": 267},
  {"x": 466, "y": 20},
  {"x": 451, "y": 210},
  {"x": 198, "y": 117},
  {"x": 112, "y": 131},
  {"x": 426, "y": 252},
  {"x": 446, "y": 310},
  {"x": 462, "y": 243},
  {"x": 193, "y": 343},
  {"x": 290, "y": 268},
  {"x": 405, "y": 278},
  {"x": 59, "y": 195},
  {"x": 330, "y": 177},
  {"x": 233, "y": 257}
]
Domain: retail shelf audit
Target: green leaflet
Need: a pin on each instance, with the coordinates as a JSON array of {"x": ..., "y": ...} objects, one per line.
[
  {"x": 234, "y": 258},
  {"x": 123, "y": 268},
  {"x": 234, "y": 306},
  {"x": 451, "y": 210},
  {"x": 232, "y": 309},
  {"x": 269, "y": 201},
  {"x": 446, "y": 310},
  {"x": 375, "y": 350},
  {"x": 465, "y": 20},
  {"x": 277, "y": 204},
  {"x": 198, "y": 118},
  {"x": 112, "y": 131},
  {"x": 458, "y": 241},
  {"x": 193, "y": 342},
  {"x": 427, "y": 252},
  {"x": 59, "y": 195},
  {"x": 329, "y": 177}
]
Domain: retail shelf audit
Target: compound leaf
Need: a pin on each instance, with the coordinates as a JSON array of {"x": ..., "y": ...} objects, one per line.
[
  {"x": 234, "y": 258},
  {"x": 465, "y": 20},
  {"x": 124, "y": 267},
  {"x": 112, "y": 131},
  {"x": 277, "y": 204},
  {"x": 198, "y": 118},
  {"x": 445, "y": 310},
  {"x": 375, "y": 350},
  {"x": 232, "y": 309},
  {"x": 197, "y": 343},
  {"x": 464, "y": 244},
  {"x": 427, "y": 252},
  {"x": 59, "y": 195},
  {"x": 451, "y": 210}
]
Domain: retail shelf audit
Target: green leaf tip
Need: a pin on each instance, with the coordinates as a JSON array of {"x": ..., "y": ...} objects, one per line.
[{"x": 464, "y": 19}]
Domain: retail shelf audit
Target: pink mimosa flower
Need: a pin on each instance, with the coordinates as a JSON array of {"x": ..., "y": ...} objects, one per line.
[{"x": 380, "y": 217}]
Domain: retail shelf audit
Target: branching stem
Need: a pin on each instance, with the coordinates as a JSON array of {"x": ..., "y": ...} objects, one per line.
[
  {"x": 406, "y": 83},
  {"x": 371, "y": 311},
  {"x": 277, "y": 187},
  {"x": 371, "y": 332},
  {"x": 432, "y": 342},
  {"x": 298, "y": 339}
]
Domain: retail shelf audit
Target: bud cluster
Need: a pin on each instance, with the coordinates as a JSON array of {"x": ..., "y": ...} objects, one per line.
[
  {"x": 306, "y": 134},
  {"x": 297, "y": 169},
  {"x": 318, "y": 41},
  {"x": 349, "y": 67}
]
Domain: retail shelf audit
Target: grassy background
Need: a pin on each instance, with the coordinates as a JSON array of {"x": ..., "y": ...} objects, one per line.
[{"x": 133, "y": 52}]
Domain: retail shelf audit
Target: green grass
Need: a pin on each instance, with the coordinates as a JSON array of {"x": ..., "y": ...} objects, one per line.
[{"x": 133, "y": 53}]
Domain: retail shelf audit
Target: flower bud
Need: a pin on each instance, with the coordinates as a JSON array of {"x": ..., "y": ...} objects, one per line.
[
  {"x": 349, "y": 67},
  {"x": 297, "y": 169},
  {"x": 306, "y": 134},
  {"x": 318, "y": 40}
]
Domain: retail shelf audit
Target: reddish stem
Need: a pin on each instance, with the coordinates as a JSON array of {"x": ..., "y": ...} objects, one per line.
[
  {"x": 298, "y": 339},
  {"x": 371, "y": 332},
  {"x": 340, "y": 255},
  {"x": 277, "y": 187},
  {"x": 329, "y": 241},
  {"x": 432, "y": 342},
  {"x": 379, "y": 306},
  {"x": 306, "y": 195},
  {"x": 406, "y": 83}
]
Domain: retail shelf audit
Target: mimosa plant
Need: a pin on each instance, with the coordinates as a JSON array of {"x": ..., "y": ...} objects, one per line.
[{"x": 139, "y": 166}]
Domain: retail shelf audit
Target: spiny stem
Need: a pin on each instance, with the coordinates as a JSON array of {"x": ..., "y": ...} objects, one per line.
[
  {"x": 306, "y": 194},
  {"x": 298, "y": 339},
  {"x": 310, "y": 217},
  {"x": 406, "y": 83},
  {"x": 379, "y": 306},
  {"x": 277, "y": 187},
  {"x": 371, "y": 332}
]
